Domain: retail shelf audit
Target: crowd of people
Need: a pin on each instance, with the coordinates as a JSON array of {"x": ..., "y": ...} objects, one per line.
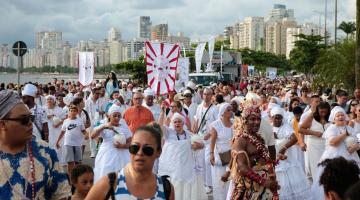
[{"x": 257, "y": 139}]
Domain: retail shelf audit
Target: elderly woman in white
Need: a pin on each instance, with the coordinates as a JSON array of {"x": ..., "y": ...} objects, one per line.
[
  {"x": 340, "y": 140},
  {"x": 113, "y": 153},
  {"x": 289, "y": 174},
  {"x": 55, "y": 118},
  {"x": 221, "y": 134},
  {"x": 177, "y": 160}
]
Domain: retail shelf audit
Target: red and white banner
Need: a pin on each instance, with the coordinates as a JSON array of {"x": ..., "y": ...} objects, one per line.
[
  {"x": 86, "y": 68},
  {"x": 161, "y": 63}
]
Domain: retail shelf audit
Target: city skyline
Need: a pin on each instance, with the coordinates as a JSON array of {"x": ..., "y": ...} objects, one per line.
[{"x": 22, "y": 18}]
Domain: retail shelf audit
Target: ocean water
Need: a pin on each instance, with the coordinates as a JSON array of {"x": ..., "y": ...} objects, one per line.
[{"x": 41, "y": 78}]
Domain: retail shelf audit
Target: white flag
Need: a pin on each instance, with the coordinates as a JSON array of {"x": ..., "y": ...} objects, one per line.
[
  {"x": 86, "y": 68},
  {"x": 198, "y": 56},
  {"x": 271, "y": 72},
  {"x": 182, "y": 73},
  {"x": 211, "y": 51}
]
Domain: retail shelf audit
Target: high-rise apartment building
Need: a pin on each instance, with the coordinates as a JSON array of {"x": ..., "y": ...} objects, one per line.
[
  {"x": 144, "y": 29},
  {"x": 114, "y": 35},
  {"x": 276, "y": 35},
  {"x": 159, "y": 32},
  {"x": 48, "y": 40},
  {"x": 279, "y": 12},
  {"x": 248, "y": 34}
]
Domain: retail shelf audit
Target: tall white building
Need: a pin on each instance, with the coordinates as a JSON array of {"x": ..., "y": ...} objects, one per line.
[
  {"x": 279, "y": 12},
  {"x": 5, "y": 55},
  {"x": 248, "y": 34},
  {"x": 48, "y": 40},
  {"x": 114, "y": 34},
  {"x": 118, "y": 52},
  {"x": 144, "y": 28},
  {"x": 135, "y": 48},
  {"x": 306, "y": 29}
]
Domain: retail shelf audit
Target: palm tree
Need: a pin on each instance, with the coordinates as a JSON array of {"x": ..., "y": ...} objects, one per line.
[{"x": 348, "y": 28}]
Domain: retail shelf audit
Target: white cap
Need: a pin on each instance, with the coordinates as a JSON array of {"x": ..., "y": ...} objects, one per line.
[
  {"x": 277, "y": 111},
  {"x": 29, "y": 90},
  {"x": 149, "y": 92},
  {"x": 187, "y": 92},
  {"x": 191, "y": 85}
]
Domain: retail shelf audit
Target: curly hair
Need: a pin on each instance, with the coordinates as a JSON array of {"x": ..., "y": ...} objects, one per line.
[{"x": 338, "y": 175}]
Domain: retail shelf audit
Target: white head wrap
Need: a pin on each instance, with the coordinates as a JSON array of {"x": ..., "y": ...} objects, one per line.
[
  {"x": 223, "y": 108},
  {"x": 149, "y": 92},
  {"x": 177, "y": 116},
  {"x": 336, "y": 110},
  {"x": 53, "y": 98},
  {"x": 277, "y": 111},
  {"x": 115, "y": 108},
  {"x": 29, "y": 90},
  {"x": 250, "y": 96},
  {"x": 277, "y": 100},
  {"x": 191, "y": 85}
]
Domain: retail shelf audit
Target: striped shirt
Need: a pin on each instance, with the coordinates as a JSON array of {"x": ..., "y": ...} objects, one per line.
[{"x": 123, "y": 193}]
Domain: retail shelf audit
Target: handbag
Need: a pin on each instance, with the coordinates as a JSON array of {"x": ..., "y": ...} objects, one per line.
[{"x": 225, "y": 157}]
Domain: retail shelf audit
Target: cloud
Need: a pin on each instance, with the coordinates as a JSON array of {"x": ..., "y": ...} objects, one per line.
[{"x": 91, "y": 19}]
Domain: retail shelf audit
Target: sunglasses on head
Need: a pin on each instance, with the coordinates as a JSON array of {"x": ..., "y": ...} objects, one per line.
[
  {"x": 147, "y": 150},
  {"x": 23, "y": 120}
]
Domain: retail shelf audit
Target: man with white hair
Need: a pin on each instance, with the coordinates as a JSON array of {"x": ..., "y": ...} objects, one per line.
[
  {"x": 149, "y": 103},
  {"x": 40, "y": 126}
]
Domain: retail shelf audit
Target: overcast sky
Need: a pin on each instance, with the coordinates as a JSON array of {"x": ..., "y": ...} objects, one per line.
[{"x": 91, "y": 19}]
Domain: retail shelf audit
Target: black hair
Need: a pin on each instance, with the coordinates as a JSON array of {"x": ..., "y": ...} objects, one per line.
[
  {"x": 95, "y": 89},
  {"x": 291, "y": 102},
  {"x": 219, "y": 98},
  {"x": 76, "y": 101},
  {"x": 80, "y": 170},
  {"x": 349, "y": 108},
  {"x": 353, "y": 192},
  {"x": 154, "y": 132},
  {"x": 112, "y": 94},
  {"x": 61, "y": 95},
  {"x": 297, "y": 110},
  {"x": 322, "y": 105},
  {"x": 341, "y": 93},
  {"x": 338, "y": 175},
  {"x": 334, "y": 104}
]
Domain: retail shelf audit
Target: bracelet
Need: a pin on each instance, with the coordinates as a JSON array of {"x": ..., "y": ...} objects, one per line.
[{"x": 255, "y": 177}]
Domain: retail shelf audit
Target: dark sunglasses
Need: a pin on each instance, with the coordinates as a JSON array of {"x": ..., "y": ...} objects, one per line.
[
  {"x": 354, "y": 104},
  {"x": 147, "y": 150},
  {"x": 23, "y": 120}
]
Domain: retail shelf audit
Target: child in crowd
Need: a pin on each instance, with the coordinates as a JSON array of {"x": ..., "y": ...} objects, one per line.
[
  {"x": 73, "y": 131},
  {"x": 82, "y": 179}
]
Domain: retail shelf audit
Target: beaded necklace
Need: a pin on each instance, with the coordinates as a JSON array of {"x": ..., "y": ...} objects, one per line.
[{"x": 32, "y": 172}]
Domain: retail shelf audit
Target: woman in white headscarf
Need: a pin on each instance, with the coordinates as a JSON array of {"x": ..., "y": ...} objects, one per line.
[
  {"x": 113, "y": 153},
  {"x": 55, "y": 118},
  {"x": 177, "y": 160},
  {"x": 221, "y": 134},
  {"x": 340, "y": 140},
  {"x": 289, "y": 173}
]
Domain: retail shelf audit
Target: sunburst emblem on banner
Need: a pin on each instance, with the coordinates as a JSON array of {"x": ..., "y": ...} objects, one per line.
[{"x": 161, "y": 63}]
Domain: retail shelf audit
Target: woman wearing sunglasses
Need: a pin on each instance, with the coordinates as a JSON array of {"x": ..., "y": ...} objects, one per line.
[
  {"x": 113, "y": 153},
  {"x": 177, "y": 159},
  {"x": 136, "y": 180},
  {"x": 29, "y": 168},
  {"x": 351, "y": 111}
]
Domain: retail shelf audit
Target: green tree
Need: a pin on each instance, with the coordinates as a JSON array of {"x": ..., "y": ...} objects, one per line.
[
  {"x": 307, "y": 49},
  {"x": 348, "y": 28},
  {"x": 335, "y": 66},
  {"x": 135, "y": 68}
]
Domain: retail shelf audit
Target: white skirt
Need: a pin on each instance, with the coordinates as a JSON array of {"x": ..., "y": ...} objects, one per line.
[{"x": 109, "y": 159}]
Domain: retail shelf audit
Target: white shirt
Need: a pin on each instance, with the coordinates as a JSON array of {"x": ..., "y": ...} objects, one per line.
[
  {"x": 93, "y": 110},
  {"x": 266, "y": 132},
  {"x": 191, "y": 111},
  {"x": 171, "y": 135},
  {"x": 73, "y": 132},
  {"x": 210, "y": 117},
  {"x": 40, "y": 119},
  {"x": 155, "y": 109}
]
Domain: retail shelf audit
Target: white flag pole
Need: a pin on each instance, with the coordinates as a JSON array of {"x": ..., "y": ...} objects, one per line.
[
  {"x": 184, "y": 52},
  {"x": 221, "y": 60}
]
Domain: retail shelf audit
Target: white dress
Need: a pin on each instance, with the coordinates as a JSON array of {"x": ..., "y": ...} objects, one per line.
[
  {"x": 224, "y": 135},
  {"x": 332, "y": 152},
  {"x": 289, "y": 174},
  {"x": 110, "y": 159},
  {"x": 177, "y": 161},
  {"x": 55, "y": 132},
  {"x": 315, "y": 148}
]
